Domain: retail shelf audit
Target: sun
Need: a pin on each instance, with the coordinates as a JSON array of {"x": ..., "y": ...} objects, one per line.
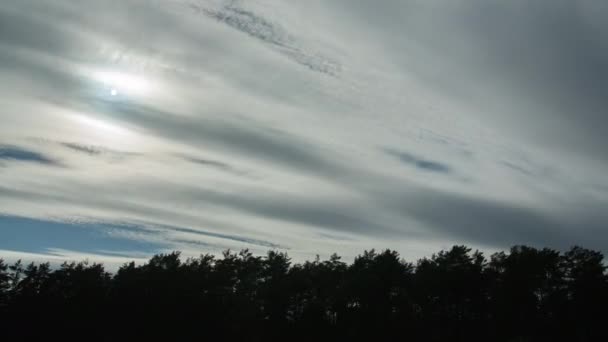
[{"x": 119, "y": 83}]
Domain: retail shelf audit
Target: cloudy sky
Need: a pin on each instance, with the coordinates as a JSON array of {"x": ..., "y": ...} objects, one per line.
[{"x": 130, "y": 127}]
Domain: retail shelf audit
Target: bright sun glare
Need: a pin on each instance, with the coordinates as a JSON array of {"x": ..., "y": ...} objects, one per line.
[{"x": 118, "y": 83}]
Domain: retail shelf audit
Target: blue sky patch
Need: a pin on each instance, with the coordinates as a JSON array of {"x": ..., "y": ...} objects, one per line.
[{"x": 38, "y": 236}]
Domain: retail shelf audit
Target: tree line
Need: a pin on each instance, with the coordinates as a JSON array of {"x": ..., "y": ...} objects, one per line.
[{"x": 525, "y": 294}]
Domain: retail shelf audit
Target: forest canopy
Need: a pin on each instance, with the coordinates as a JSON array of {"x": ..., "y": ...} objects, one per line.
[{"x": 525, "y": 294}]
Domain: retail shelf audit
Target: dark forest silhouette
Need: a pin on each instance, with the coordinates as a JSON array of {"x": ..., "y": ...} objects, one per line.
[{"x": 526, "y": 294}]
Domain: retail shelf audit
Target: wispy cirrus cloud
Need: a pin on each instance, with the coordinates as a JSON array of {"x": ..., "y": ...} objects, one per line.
[
  {"x": 93, "y": 150},
  {"x": 270, "y": 33},
  {"x": 240, "y": 124}
]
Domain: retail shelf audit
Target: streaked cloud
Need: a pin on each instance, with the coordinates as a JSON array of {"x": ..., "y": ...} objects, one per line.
[
  {"x": 314, "y": 127},
  {"x": 246, "y": 21}
]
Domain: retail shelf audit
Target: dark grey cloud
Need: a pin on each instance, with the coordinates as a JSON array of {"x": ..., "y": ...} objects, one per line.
[
  {"x": 321, "y": 212},
  {"x": 314, "y": 213},
  {"x": 528, "y": 169},
  {"x": 21, "y": 29},
  {"x": 209, "y": 162},
  {"x": 244, "y": 239},
  {"x": 488, "y": 222},
  {"x": 419, "y": 163},
  {"x": 16, "y": 153},
  {"x": 537, "y": 71},
  {"x": 96, "y": 151},
  {"x": 561, "y": 65},
  {"x": 86, "y": 149},
  {"x": 278, "y": 148},
  {"x": 216, "y": 164}
]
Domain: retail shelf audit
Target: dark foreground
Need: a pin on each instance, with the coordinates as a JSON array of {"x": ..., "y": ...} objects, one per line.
[{"x": 457, "y": 295}]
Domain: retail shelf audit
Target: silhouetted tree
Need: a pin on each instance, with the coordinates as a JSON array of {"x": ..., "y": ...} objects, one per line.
[
  {"x": 587, "y": 293},
  {"x": 452, "y": 292},
  {"x": 376, "y": 284},
  {"x": 318, "y": 296},
  {"x": 4, "y": 288},
  {"x": 527, "y": 294},
  {"x": 274, "y": 293},
  {"x": 4, "y": 282},
  {"x": 528, "y": 288}
]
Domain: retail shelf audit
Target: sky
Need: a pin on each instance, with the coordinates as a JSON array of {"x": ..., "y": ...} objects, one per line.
[{"x": 134, "y": 127}]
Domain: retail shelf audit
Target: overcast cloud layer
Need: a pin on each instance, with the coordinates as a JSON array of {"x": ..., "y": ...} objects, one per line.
[{"x": 134, "y": 127}]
